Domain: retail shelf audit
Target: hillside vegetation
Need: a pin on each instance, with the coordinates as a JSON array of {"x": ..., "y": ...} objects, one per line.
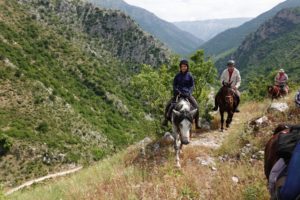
[
  {"x": 234, "y": 170},
  {"x": 65, "y": 92}
]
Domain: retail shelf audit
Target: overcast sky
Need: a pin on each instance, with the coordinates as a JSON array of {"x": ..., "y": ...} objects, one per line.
[{"x": 187, "y": 10}]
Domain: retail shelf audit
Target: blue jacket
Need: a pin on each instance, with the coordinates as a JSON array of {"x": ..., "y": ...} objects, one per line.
[{"x": 183, "y": 83}]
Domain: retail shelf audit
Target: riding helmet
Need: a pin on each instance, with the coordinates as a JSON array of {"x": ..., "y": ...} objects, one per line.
[{"x": 230, "y": 62}]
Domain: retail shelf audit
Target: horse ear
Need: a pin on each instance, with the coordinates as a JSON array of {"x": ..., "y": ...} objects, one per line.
[
  {"x": 193, "y": 112},
  {"x": 176, "y": 112}
]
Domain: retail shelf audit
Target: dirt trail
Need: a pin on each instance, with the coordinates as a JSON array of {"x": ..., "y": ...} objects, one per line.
[{"x": 29, "y": 183}]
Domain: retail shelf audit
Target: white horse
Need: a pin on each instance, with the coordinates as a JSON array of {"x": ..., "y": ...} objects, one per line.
[{"x": 182, "y": 120}]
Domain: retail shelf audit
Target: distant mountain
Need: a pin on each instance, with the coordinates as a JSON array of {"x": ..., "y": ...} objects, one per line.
[
  {"x": 179, "y": 41},
  {"x": 208, "y": 29},
  {"x": 276, "y": 44},
  {"x": 232, "y": 38}
]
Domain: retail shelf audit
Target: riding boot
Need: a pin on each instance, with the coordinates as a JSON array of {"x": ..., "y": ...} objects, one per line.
[
  {"x": 197, "y": 121},
  {"x": 237, "y": 104},
  {"x": 167, "y": 113},
  {"x": 216, "y": 104}
]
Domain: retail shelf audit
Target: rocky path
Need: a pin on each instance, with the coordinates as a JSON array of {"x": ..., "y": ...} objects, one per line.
[{"x": 29, "y": 183}]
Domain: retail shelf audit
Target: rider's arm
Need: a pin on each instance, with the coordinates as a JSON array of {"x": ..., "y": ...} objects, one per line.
[
  {"x": 192, "y": 85},
  {"x": 223, "y": 77},
  {"x": 238, "y": 80},
  {"x": 175, "y": 86},
  {"x": 276, "y": 79}
]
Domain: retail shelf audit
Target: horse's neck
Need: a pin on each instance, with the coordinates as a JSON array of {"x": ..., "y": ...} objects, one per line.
[
  {"x": 183, "y": 105},
  {"x": 226, "y": 91}
]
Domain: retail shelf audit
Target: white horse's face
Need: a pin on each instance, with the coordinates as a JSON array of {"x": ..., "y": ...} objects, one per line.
[{"x": 185, "y": 128}]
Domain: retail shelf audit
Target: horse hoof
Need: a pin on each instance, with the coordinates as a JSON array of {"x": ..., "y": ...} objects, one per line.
[
  {"x": 178, "y": 165},
  {"x": 222, "y": 130}
]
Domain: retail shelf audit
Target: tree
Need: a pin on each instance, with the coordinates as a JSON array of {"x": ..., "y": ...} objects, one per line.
[
  {"x": 154, "y": 86},
  {"x": 205, "y": 75}
]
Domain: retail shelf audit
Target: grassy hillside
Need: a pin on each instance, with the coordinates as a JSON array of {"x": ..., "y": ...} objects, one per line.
[
  {"x": 273, "y": 46},
  {"x": 65, "y": 93},
  {"x": 232, "y": 38},
  {"x": 134, "y": 175},
  {"x": 181, "y": 42}
]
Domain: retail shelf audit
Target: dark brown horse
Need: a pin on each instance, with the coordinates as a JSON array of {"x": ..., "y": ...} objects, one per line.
[
  {"x": 271, "y": 156},
  {"x": 227, "y": 103},
  {"x": 277, "y": 91}
]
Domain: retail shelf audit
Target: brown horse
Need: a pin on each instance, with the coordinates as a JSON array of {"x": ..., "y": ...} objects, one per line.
[
  {"x": 271, "y": 156},
  {"x": 277, "y": 91},
  {"x": 227, "y": 103}
]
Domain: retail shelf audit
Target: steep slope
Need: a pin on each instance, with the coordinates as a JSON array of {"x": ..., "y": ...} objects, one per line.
[
  {"x": 65, "y": 94},
  {"x": 276, "y": 44},
  {"x": 208, "y": 29},
  {"x": 215, "y": 165},
  {"x": 179, "y": 41},
  {"x": 232, "y": 38}
]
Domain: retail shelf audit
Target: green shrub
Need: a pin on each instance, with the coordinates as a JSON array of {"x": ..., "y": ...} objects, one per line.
[
  {"x": 98, "y": 154},
  {"x": 43, "y": 127},
  {"x": 254, "y": 192},
  {"x": 5, "y": 144}
]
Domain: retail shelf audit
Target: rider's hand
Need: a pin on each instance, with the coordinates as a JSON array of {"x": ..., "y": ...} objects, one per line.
[{"x": 234, "y": 88}]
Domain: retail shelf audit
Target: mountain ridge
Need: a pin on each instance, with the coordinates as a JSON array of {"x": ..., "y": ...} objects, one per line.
[
  {"x": 232, "y": 38},
  {"x": 207, "y": 29},
  {"x": 179, "y": 41},
  {"x": 273, "y": 46}
]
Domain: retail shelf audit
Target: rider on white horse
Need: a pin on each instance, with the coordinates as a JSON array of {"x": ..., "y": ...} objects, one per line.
[{"x": 183, "y": 86}]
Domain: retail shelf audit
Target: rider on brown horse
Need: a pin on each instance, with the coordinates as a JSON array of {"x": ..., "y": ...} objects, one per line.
[
  {"x": 183, "y": 86},
  {"x": 281, "y": 81},
  {"x": 230, "y": 76}
]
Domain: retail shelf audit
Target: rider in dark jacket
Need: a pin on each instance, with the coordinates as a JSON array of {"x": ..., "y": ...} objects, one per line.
[{"x": 183, "y": 86}]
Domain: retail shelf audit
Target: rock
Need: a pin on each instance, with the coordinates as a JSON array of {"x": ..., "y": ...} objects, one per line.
[
  {"x": 145, "y": 141},
  {"x": 213, "y": 168},
  {"x": 205, "y": 125},
  {"x": 206, "y": 161},
  {"x": 149, "y": 117},
  {"x": 280, "y": 107},
  {"x": 262, "y": 121},
  {"x": 167, "y": 139},
  {"x": 235, "y": 179},
  {"x": 156, "y": 146}
]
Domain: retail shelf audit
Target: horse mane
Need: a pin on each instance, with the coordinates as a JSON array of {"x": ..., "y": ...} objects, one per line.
[{"x": 183, "y": 106}]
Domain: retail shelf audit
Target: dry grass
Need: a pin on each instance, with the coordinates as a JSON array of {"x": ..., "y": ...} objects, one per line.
[{"x": 130, "y": 175}]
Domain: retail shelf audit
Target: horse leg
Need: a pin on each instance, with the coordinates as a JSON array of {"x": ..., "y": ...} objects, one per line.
[
  {"x": 177, "y": 152},
  {"x": 229, "y": 119},
  {"x": 222, "y": 120},
  {"x": 177, "y": 147}
]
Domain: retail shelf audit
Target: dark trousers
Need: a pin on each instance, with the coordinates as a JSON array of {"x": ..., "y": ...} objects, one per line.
[{"x": 171, "y": 104}]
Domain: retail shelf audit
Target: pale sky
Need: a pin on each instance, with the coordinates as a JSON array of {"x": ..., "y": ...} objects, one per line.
[{"x": 189, "y": 10}]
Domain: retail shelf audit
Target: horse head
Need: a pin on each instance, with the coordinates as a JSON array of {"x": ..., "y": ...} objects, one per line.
[
  {"x": 183, "y": 120},
  {"x": 228, "y": 94}
]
